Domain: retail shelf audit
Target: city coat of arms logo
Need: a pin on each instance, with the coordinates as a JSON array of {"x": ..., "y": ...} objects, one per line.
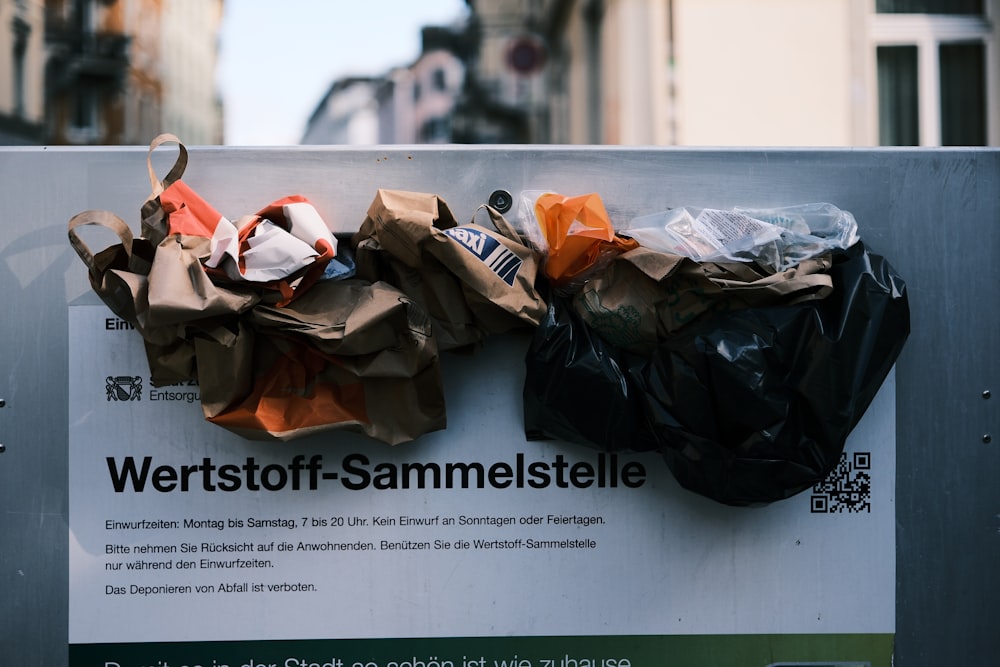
[{"x": 124, "y": 388}]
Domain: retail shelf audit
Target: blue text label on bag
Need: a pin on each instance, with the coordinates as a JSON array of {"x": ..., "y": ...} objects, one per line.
[{"x": 491, "y": 252}]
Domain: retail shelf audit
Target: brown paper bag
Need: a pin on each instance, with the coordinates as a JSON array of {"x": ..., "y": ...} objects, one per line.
[
  {"x": 357, "y": 320},
  {"x": 119, "y": 274},
  {"x": 161, "y": 291},
  {"x": 471, "y": 280},
  {"x": 346, "y": 355},
  {"x": 644, "y": 295},
  {"x": 154, "y": 218},
  {"x": 181, "y": 292}
]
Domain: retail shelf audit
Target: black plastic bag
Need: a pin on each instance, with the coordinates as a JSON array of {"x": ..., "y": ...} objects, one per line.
[
  {"x": 576, "y": 389},
  {"x": 747, "y": 407}
]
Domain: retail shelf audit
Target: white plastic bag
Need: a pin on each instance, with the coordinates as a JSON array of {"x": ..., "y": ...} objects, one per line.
[{"x": 777, "y": 238}]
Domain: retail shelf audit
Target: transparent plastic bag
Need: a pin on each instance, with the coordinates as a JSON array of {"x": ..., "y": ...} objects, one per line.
[
  {"x": 527, "y": 222},
  {"x": 775, "y": 238}
]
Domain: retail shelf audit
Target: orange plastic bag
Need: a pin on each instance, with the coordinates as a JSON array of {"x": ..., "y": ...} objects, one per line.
[{"x": 579, "y": 234}]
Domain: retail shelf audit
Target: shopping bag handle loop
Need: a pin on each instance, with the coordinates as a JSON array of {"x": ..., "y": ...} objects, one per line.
[
  {"x": 499, "y": 223},
  {"x": 104, "y": 219},
  {"x": 175, "y": 172}
]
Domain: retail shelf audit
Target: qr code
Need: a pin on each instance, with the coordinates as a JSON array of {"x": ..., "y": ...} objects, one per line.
[{"x": 848, "y": 487}]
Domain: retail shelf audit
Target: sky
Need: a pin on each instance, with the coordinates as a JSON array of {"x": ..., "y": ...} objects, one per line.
[{"x": 279, "y": 57}]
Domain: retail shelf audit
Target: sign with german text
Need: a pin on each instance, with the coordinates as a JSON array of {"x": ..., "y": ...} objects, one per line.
[{"x": 468, "y": 547}]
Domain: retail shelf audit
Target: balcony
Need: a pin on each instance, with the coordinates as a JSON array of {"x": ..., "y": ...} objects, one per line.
[{"x": 100, "y": 59}]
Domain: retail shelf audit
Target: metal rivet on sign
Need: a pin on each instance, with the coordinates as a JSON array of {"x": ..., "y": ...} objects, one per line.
[
  {"x": 501, "y": 200},
  {"x": 987, "y": 438},
  {"x": 987, "y": 394}
]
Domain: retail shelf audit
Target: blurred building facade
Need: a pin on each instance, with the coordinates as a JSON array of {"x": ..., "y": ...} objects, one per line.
[
  {"x": 22, "y": 68},
  {"x": 189, "y": 42},
  {"x": 109, "y": 71},
  {"x": 409, "y": 105},
  {"x": 506, "y": 95},
  {"x": 731, "y": 72},
  {"x": 436, "y": 79},
  {"x": 348, "y": 114}
]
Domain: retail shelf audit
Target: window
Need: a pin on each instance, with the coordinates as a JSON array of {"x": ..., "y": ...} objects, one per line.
[
  {"x": 970, "y": 7},
  {"x": 84, "y": 124},
  {"x": 436, "y": 131},
  {"x": 932, "y": 65},
  {"x": 438, "y": 80},
  {"x": 21, "y": 31},
  {"x": 898, "y": 117},
  {"x": 963, "y": 94}
]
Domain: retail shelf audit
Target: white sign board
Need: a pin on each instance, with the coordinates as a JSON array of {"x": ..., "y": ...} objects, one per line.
[{"x": 471, "y": 546}]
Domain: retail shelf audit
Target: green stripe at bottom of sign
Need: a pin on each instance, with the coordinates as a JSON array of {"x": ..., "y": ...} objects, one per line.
[{"x": 826, "y": 650}]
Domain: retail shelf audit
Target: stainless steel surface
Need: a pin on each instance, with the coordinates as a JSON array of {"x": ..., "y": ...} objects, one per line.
[{"x": 934, "y": 213}]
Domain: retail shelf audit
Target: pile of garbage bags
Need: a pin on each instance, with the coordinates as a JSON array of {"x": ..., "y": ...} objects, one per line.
[{"x": 743, "y": 345}]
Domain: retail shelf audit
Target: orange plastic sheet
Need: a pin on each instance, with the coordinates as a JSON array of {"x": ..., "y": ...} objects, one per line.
[{"x": 579, "y": 234}]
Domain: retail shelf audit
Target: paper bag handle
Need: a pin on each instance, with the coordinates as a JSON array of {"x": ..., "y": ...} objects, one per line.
[
  {"x": 103, "y": 219},
  {"x": 175, "y": 172},
  {"x": 500, "y": 223}
]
